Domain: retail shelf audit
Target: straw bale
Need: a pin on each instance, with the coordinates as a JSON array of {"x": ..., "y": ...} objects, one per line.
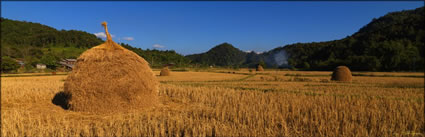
[
  {"x": 260, "y": 68},
  {"x": 165, "y": 72},
  {"x": 341, "y": 73},
  {"x": 110, "y": 78}
]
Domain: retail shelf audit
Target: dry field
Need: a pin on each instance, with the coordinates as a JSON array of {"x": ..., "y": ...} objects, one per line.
[{"x": 223, "y": 103}]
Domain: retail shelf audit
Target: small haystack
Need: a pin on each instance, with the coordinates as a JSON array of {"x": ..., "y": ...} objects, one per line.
[
  {"x": 165, "y": 71},
  {"x": 342, "y": 73},
  {"x": 110, "y": 78},
  {"x": 259, "y": 68}
]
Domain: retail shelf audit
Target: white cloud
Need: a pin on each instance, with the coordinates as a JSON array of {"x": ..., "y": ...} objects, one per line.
[
  {"x": 128, "y": 38},
  {"x": 102, "y": 35},
  {"x": 158, "y": 46}
]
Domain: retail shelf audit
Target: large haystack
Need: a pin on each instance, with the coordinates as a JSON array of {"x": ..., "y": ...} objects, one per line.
[
  {"x": 165, "y": 71},
  {"x": 260, "y": 68},
  {"x": 342, "y": 73},
  {"x": 110, "y": 78}
]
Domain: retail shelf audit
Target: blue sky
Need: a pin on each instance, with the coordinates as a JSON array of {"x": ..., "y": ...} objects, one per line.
[{"x": 193, "y": 27}]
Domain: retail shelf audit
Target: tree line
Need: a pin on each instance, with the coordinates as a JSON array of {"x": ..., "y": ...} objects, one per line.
[
  {"x": 35, "y": 43},
  {"x": 394, "y": 42}
]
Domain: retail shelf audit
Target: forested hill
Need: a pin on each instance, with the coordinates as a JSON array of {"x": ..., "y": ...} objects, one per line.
[
  {"x": 36, "y": 43},
  {"x": 21, "y": 33},
  {"x": 221, "y": 55},
  {"x": 394, "y": 42}
]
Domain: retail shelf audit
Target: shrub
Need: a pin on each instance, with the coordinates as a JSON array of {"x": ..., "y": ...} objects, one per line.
[{"x": 8, "y": 64}]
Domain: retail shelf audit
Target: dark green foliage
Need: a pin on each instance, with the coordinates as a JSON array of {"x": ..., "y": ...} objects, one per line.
[
  {"x": 364, "y": 63},
  {"x": 50, "y": 61},
  {"x": 31, "y": 62},
  {"x": 306, "y": 65},
  {"x": 394, "y": 42},
  {"x": 252, "y": 60},
  {"x": 34, "y": 34},
  {"x": 36, "y": 43},
  {"x": 158, "y": 58},
  {"x": 221, "y": 55},
  {"x": 8, "y": 64}
]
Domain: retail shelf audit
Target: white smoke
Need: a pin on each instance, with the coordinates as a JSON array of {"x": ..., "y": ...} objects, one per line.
[{"x": 281, "y": 58}]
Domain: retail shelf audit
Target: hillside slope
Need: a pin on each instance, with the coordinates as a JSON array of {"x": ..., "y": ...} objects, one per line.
[
  {"x": 223, "y": 54},
  {"x": 23, "y": 33},
  {"x": 36, "y": 43},
  {"x": 394, "y": 42}
]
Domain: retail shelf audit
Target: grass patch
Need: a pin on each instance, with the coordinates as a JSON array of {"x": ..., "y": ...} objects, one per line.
[{"x": 402, "y": 85}]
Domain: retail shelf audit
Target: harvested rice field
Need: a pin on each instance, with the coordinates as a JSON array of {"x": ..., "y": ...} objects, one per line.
[{"x": 230, "y": 103}]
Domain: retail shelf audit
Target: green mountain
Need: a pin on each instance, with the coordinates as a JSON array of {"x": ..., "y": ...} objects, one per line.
[
  {"x": 36, "y": 43},
  {"x": 394, "y": 42},
  {"x": 221, "y": 55},
  {"x": 21, "y": 33}
]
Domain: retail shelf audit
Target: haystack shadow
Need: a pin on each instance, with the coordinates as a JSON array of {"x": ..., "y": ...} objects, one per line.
[{"x": 61, "y": 99}]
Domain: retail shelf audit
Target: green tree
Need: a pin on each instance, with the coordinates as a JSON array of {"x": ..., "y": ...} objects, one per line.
[
  {"x": 364, "y": 63},
  {"x": 30, "y": 62},
  {"x": 8, "y": 64},
  {"x": 306, "y": 65},
  {"x": 292, "y": 62},
  {"x": 393, "y": 42},
  {"x": 50, "y": 61}
]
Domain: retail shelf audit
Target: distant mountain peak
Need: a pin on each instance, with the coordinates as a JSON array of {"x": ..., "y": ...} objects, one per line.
[
  {"x": 224, "y": 54},
  {"x": 224, "y": 45}
]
